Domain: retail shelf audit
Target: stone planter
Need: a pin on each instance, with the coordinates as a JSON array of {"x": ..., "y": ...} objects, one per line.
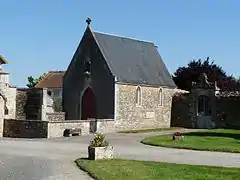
[{"x": 95, "y": 153}]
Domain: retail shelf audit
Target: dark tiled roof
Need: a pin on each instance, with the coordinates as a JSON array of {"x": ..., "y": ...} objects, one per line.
[
  {"x": 134, "y": 61},
  {"x": 3, "y": 60},
  {"x": 53, "y": 79}
]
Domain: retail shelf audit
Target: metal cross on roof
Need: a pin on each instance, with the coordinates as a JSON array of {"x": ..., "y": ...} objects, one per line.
[{"x": 88, "y": 21}]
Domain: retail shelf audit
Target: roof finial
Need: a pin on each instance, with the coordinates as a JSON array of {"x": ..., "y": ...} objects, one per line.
[{"x": 88, "y": 21}]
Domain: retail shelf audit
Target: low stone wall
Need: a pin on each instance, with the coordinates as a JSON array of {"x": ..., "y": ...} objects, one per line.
[
  {"x": 25, "y": 128},
  {"x": 56, "y": 116},
  {"x": 105, "y": 125},
  {"x": 56, "y": 129}
]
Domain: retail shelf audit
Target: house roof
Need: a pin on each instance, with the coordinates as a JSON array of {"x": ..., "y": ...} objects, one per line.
[
  {"x": 53, "y": 79},
  {"x": 3, "y": 60},
  {"x": 133, "y": 61}
]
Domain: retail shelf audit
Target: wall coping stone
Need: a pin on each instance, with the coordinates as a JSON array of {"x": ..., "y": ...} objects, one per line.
[
  {"x": 81, "y": 121},
  {"x": 55, "y": 113},
  {"x": 71, "y": 121},
  {"x": 26, "y": 120},
  {"x": 99, "y": 120}
]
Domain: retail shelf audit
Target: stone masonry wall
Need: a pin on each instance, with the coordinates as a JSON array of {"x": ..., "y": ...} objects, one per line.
[
  {"x": 1, "y": 116},
  {"x": 10, "y": 95},
  {"x": 25, "y": 128},
  {"x": 56, "y": 116},
  {"x": 150, "y": 114},
  {"x": 227, "y": 115},
  {"x": 56, "y": 129},
  {"x": 11, "y": 103},
  {"x": 180, "y": 111},
  {"x": 21, "y": 101}
]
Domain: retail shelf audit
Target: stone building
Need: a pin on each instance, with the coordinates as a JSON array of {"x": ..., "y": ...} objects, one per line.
[
  {"x": 120, "y": 79},
  {"x": 7, "y": 96},
  {"x": 206, "y": 106},
  {"x": 53, "y": 82}
]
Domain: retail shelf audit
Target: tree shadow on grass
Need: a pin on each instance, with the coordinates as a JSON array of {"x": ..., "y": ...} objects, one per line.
[{"x": 214, "y": 134}]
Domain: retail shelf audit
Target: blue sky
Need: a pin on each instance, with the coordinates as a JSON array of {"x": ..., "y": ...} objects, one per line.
[{"x": 41, "y": 35}]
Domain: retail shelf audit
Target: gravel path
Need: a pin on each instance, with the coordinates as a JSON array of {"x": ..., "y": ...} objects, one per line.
[{"x": 52, "y": 159}]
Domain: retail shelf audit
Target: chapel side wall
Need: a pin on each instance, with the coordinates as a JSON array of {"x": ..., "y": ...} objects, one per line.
[{"x": 149, "y": 115}]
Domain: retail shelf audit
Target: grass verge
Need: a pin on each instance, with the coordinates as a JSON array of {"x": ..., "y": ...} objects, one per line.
[
  {"x": 150, "y": 130},
  {"x": 211, "y": 140},
  {"x": 143, "y": 170}
]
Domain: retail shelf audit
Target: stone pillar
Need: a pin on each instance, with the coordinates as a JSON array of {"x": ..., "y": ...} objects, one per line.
[
  {"x": 47, "y": 105},
  {"x": 2, "y": 107}
]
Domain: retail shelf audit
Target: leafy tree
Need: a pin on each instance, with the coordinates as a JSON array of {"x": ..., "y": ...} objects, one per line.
[
  {"x": 185, "y": 75},
  {"x": 33, "y": 81}
]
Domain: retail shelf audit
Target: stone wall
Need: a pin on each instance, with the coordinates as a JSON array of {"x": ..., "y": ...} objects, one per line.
[
  {"x": 33, "y": 104},
  {"x": 25, "y": 128},
  {"x": 225, "y": 111},
  {"x": 228, "y": 115},
  {"x": 11, "y": 103},
  {"x": 21, "y": 102},
  {"x": 56, "y": 116},
  {"x": 1, "y": 115},
  {"x": 152, "y": 112},
  {"x": 56, "y": 128},
  {"x": 105, "y": 125},
  {"x": 180, "y": 111}
]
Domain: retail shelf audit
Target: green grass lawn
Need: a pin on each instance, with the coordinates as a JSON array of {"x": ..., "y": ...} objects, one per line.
[
  {"x": 142, "y": 170},
  {"x": 150, "y": 130},
  {"x": 211, "y": 140}
]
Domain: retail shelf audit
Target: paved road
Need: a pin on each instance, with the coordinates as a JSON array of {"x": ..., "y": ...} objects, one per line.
[{"x": 52, "y": 159}]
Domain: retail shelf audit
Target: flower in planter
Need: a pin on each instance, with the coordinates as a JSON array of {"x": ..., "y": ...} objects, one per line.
[
  {"x": 99, "y": 141},
  {"x": 99, "y": 148},
  {"x": 177, "y": 136}
]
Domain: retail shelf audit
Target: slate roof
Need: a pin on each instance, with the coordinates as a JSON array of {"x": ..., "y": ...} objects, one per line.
[
  {"x": 53, "y": 79},
  {"x": 134, "y": 61}
]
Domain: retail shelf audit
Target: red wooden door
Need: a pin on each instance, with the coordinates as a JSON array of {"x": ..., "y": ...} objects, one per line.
[{"x": 88, "y": 104}]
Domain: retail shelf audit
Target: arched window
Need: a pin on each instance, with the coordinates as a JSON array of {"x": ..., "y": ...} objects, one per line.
[
  {"x": 160, "y": 97},
  {"x": 138, "y": 96},
  {"x": 204, "y": 106}
]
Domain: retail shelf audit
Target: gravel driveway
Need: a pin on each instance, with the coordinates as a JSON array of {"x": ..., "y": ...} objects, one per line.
[{"x": 52, "y": 159}]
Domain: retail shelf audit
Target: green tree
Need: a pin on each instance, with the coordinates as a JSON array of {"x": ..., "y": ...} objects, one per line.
[
  {"x": 33, "y": 81},
  {"x": 185, "y": 75}
]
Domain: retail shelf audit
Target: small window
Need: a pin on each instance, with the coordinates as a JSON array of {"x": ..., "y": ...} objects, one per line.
[
  {"x": 138, "y": 96},
  {"x": 6, "y": 110},
  {"x": 49, "y": 92},
  {"x": 160, "y": 97}
]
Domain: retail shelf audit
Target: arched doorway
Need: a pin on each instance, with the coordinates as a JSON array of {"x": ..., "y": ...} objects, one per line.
[
  {"x": 204, "y": 108},
  {"x": 88, "y": 104},
  {"x": 204, "y": 119}
]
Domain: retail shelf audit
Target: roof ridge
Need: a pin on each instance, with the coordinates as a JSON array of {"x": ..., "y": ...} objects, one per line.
[
  {"x": 56, "y": 71},
  {"x": 121, "y": 36}
]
